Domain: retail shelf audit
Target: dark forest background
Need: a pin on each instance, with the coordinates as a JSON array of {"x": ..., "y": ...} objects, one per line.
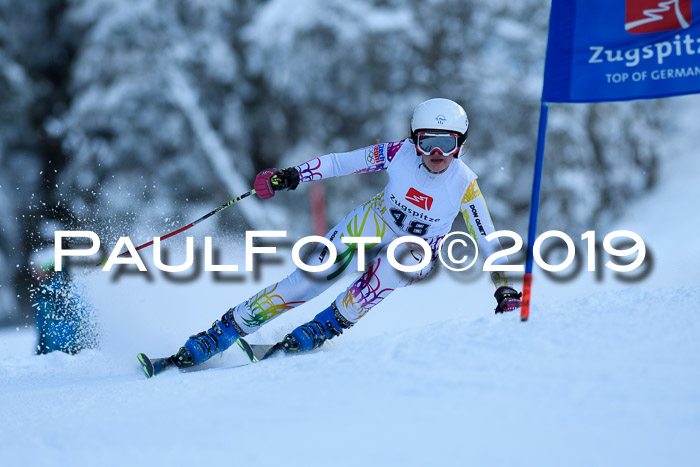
[{"x": 145, "y": 114}]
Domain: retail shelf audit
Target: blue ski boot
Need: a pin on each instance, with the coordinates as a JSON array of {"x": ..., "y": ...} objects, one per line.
[
  {"x": 201, "y": 347},
  {"x": 312, "y": 335}
]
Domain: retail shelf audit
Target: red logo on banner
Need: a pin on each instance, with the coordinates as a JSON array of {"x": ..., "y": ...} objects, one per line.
[
  {"x": 419, "y": 199},
  {"x": 644, "y": 16}
]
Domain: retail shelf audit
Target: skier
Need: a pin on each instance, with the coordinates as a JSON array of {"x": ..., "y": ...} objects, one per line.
[
  {"x": 428, "y": 187},
  {"x": 63, "y": 318}
]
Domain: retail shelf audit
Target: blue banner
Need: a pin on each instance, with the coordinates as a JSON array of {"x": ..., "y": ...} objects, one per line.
[{"x": 613, "y": 50}]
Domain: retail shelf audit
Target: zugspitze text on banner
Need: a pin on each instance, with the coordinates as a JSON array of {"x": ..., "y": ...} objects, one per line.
[{"x": 609, "y": 50}]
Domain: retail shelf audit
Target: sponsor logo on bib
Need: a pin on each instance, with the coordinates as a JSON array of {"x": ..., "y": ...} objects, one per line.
[{"x": 419, "y": 199}]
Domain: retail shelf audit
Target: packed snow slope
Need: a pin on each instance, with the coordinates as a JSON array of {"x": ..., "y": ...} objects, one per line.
[
  {"x": 605, "y": 372},
  {"x": 610, "y": 379}
]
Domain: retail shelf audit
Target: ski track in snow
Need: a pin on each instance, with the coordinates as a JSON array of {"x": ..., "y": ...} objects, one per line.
[{"x": 604, "y": 373}]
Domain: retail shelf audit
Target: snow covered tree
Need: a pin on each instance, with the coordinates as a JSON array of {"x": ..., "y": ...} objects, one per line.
[
  {"x": 340, "y": 74},
  {"x": 156, "y": 112},
  {"x": 144, "y": 110},
  {"x": 29, "y": 61},
  {"x": 16, "y": 93}
]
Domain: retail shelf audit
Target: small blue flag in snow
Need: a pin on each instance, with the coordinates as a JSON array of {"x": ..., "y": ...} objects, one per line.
[{"x": 611, "y": 50}]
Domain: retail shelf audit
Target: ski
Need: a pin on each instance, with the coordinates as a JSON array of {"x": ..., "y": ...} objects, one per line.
[
  {"x": 155, "y": 366},
  {"x": 258, "y": 352},
  {"x": 254, "y": 352}
]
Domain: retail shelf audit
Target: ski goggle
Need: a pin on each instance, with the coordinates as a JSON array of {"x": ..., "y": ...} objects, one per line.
[{"x": 446, "y": 144}]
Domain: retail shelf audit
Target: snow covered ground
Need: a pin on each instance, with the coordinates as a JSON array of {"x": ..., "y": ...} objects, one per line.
[
  {"x": 604, "y": 373},
  {"x": 610, "y": 379}
]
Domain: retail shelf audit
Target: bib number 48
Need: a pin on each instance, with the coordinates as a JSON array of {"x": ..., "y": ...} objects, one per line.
[{"x": 419, "y": 229}]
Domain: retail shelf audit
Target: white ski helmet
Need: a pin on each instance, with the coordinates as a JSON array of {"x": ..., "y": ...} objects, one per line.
[{"x": 440, "y": 114}]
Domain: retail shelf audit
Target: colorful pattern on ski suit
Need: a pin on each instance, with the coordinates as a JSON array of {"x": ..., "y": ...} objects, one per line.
[
  {"x": 377, "y": 281},
  {"x": 415, "y": 202}
]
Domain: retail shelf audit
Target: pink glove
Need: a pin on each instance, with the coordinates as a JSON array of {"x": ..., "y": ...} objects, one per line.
[{"x": 263, "y": 184}]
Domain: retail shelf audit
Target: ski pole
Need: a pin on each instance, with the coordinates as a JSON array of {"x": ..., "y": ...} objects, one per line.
[{"x": 190, "y": 225}]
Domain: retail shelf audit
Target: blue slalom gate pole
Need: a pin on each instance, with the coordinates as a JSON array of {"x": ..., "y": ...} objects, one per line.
[{"x": 534, "y": 208}]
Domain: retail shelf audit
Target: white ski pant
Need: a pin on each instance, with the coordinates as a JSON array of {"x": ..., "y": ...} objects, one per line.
[{"x": 377, "y": 281}]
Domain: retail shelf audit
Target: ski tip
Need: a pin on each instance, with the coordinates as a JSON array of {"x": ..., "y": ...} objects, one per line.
[
  {"x": 243, "y": 344},
  {"x": 146, "y": 365}
]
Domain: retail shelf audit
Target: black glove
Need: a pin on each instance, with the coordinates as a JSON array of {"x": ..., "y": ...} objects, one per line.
[
  {"x": 286, "y": 178},
  {"x": 508, "y": 299}
]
